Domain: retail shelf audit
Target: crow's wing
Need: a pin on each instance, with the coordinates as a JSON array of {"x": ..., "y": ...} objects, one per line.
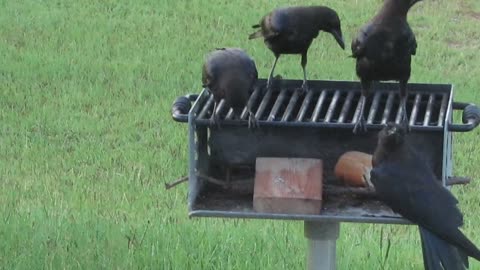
[
  {"x": 411, "y": 189},
  {"x": 384, "y": 41},
  {"x": 295, "y": 23},
  {"x": 416, "y": 194}
]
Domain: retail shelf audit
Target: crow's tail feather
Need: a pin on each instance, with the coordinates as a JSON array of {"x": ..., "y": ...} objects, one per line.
[{"x": 440, "y": 255}]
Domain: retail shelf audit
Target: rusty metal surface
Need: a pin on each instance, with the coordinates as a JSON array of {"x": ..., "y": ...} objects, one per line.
[{"x": 222, "y": 203}]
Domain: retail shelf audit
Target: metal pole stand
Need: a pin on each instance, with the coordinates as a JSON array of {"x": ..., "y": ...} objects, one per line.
[{"x": 322, "y": 238}]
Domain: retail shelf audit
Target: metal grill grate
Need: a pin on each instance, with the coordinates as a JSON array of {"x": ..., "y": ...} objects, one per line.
[{"x": 324, "y": 106}]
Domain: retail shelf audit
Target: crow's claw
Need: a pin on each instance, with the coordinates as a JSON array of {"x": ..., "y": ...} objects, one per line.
[
  {"x": 252, "y": 121},
  {"x": 360, "y": 126}
]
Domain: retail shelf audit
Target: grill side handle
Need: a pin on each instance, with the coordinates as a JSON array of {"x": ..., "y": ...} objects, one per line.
[
  {"x": 182, "y": 106},
  {"x": 470, "y": 117}
]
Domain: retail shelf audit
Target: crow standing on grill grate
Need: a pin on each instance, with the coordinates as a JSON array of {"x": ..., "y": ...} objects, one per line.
[
  {"x": 291, "y": 30},
  {"x": 383, "y": 49},
  {"x": 230, "y": 74},
  {"x": 404, "y": 180}
]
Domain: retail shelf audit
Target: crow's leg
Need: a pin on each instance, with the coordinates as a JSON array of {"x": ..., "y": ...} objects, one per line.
[
  {"x": 361, "y": 124},
  {"x": 304, "y": 64},
  {"x": 270, "y": 77},
  {"x": 403, "y": 104},
  {"x": 252, "y": 120},
  {"x": 214, "y": 121}
]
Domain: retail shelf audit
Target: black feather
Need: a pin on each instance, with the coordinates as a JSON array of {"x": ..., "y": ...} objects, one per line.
[
  {"x": 230, "y": 74},
  {"x": 404, "y": 180}
]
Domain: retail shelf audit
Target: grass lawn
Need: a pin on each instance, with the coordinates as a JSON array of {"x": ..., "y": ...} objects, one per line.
[{"x": 86, "y": 137}]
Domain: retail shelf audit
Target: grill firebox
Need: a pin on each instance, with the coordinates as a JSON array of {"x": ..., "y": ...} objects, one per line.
[{"x": 317, "y": 124}]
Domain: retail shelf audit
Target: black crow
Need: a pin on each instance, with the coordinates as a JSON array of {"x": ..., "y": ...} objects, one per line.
[
  {"x": 230, "y": 74},
  {"x": 291, "y": 30},
  {"x": 404, "y": 180},
  {"x": 383, "y": 49}
]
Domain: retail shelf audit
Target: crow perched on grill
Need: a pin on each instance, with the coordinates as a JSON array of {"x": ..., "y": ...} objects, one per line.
[
  {"x": 230, "y": 74},
  {"x": 291, "y": 30},
  {"x": 383, "y": 49},
  {"x": 404, "y": 180}
]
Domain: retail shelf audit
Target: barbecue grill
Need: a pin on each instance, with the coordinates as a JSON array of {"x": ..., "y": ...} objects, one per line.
[
  {"x": 318, "y": 125},
  {"x": 314, "y": 125}
]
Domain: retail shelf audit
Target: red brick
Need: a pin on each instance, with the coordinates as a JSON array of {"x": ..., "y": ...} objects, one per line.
[{"x": 288, "y": 185}]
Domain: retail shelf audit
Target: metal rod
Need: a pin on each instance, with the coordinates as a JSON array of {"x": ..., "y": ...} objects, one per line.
[
  {"x": 291, "y": 106},
  {"x": 176, "y": 182},
  {"x": 244, "y": 113},
  {"x": 294, "y": 123},
  {"x": 357, "y": 109},
  {"x": 399, "y": 111},
  {"x": 428, "y": 112},
  {"x": 389, "y": 218},
  {"x": 416, "y": 107},
  {"x": 264, "y": 103},
  {"x": 229, "y": 115},
  {"x": 346, "y": 107},
  {"x": 277, "y": 105},
  {"x": 205, "y": 108},
  {"x": 220, "y": 107},
  {"x": 318, "y": 106},
  {"x": 374, "y": 107},
  {"x": 388, "y": 108},
  {"x": 322, "y": 238},
  {"x": 443, "y": 110},
  {"x": 250, "y": 102},
  {"x": 332, "y": 106},
  {"x": 303, "y": 109}
]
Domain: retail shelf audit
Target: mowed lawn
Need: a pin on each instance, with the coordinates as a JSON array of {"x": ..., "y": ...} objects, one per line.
[{"x": 87, "y": 140}]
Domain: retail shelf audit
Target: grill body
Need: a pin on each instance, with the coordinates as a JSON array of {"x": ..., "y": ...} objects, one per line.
[{"x": 316, "y": 125}]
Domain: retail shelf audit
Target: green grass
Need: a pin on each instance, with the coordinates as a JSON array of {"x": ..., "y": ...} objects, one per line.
[{"x": 86, "y": 139}]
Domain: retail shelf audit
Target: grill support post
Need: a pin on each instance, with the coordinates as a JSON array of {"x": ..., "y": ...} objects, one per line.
[{"x": 322, "y": 239}]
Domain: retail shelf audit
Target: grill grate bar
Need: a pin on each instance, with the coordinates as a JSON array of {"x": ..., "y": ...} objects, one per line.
[
  {"x": 220, "y": 107},
  {"x": 388, "y": 108},
  {"x": 399, "y": 114},
  {"x": 374, "y": 107},
  {"x": 428, "y": 112},
  {"x": 332, "y": 106},
  {"x": 264, "y": 103},
  {"x": 205, "y": 108},
  {"x": 250, "y": 102},
  {"x": 357, "y": 112},
  {"x": 278, "y": 103},
  {"x": 443, "y": 110},
  {"x": 346, "y": 107},
  {"x": 229, "y": 114},
  {"x": 318, "y": 106},
  {"x": 303, "y": 109},
  {"x": 291, "y": 106},
  {"x": 416, "y": 107}
]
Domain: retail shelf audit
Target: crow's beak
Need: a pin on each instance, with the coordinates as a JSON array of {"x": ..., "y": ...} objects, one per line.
[{"x": 337, "y": 34}]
